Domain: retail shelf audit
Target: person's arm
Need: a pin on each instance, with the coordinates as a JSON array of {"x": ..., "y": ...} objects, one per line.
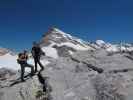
[{"x": 33, "y": 52}]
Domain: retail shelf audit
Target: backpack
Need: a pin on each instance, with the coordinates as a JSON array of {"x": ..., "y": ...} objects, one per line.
[{"x": 37, "y": 51}]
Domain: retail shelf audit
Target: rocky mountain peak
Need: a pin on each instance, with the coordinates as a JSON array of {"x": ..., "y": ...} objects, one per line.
[
  {"x": 52, "y": 30},
  {"x": 58, "y": 37},
  {"x": 62, "y": 43},
  {"x": 54, "y": 35}
]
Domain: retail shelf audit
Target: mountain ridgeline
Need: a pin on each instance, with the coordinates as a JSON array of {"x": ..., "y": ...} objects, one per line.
[{"x": 74, "y": 70}]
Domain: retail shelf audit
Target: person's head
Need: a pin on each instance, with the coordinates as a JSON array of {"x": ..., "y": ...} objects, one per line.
[{"x": 35, "y": 43}]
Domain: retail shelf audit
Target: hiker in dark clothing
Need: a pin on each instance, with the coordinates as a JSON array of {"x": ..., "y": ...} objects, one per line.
[
  {"x": 36, "y": 53},
  {"x": 22, "y": 60}
]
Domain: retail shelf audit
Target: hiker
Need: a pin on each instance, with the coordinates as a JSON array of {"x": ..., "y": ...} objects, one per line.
[
  {"x": 36, "y": 53},
  {"x": 22, "y": 60}
]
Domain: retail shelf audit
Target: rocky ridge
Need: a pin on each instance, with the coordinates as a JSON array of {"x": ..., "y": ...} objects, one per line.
[{"x": 74, "y": 70}]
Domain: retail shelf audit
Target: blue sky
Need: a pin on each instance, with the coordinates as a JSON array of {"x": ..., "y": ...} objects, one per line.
[{"x": 23, "y": 21}]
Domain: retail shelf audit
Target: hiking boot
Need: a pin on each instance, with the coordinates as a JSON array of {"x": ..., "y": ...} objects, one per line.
[
  {"x": 22, "y": 80},
  {"x": 36, "y": 70},
  {"x": 31, "y": 74}
]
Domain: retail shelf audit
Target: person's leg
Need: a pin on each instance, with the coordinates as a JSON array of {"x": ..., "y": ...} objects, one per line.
[
  {"x": 32, "y": 68},
  {"x": 35, "y": 61},
  {"x": 40, "y": 64},
  {"x": 22, "y": 72}
]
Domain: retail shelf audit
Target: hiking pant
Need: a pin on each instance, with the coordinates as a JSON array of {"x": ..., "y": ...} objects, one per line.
[
  {"x": 37, "y": 61},
  {"x": 23, "y": 65}
]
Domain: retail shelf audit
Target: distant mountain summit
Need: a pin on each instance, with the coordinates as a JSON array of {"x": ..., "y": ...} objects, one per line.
[
  {"x": 3, "y": 51},
  {"x": 121, "y": 47}
]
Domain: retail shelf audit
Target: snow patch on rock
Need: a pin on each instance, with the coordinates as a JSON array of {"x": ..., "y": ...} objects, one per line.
[
  {"x": 100, "y": 42},
  {"x": 51, "y": 52},
  {"x": 77, "y": 47}
]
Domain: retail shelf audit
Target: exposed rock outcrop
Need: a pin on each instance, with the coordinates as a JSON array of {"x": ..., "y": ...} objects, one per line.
[{"x": 74, "y": 70}]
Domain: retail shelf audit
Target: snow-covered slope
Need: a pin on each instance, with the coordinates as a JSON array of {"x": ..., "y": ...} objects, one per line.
[{"x": 8, "y": 61}]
